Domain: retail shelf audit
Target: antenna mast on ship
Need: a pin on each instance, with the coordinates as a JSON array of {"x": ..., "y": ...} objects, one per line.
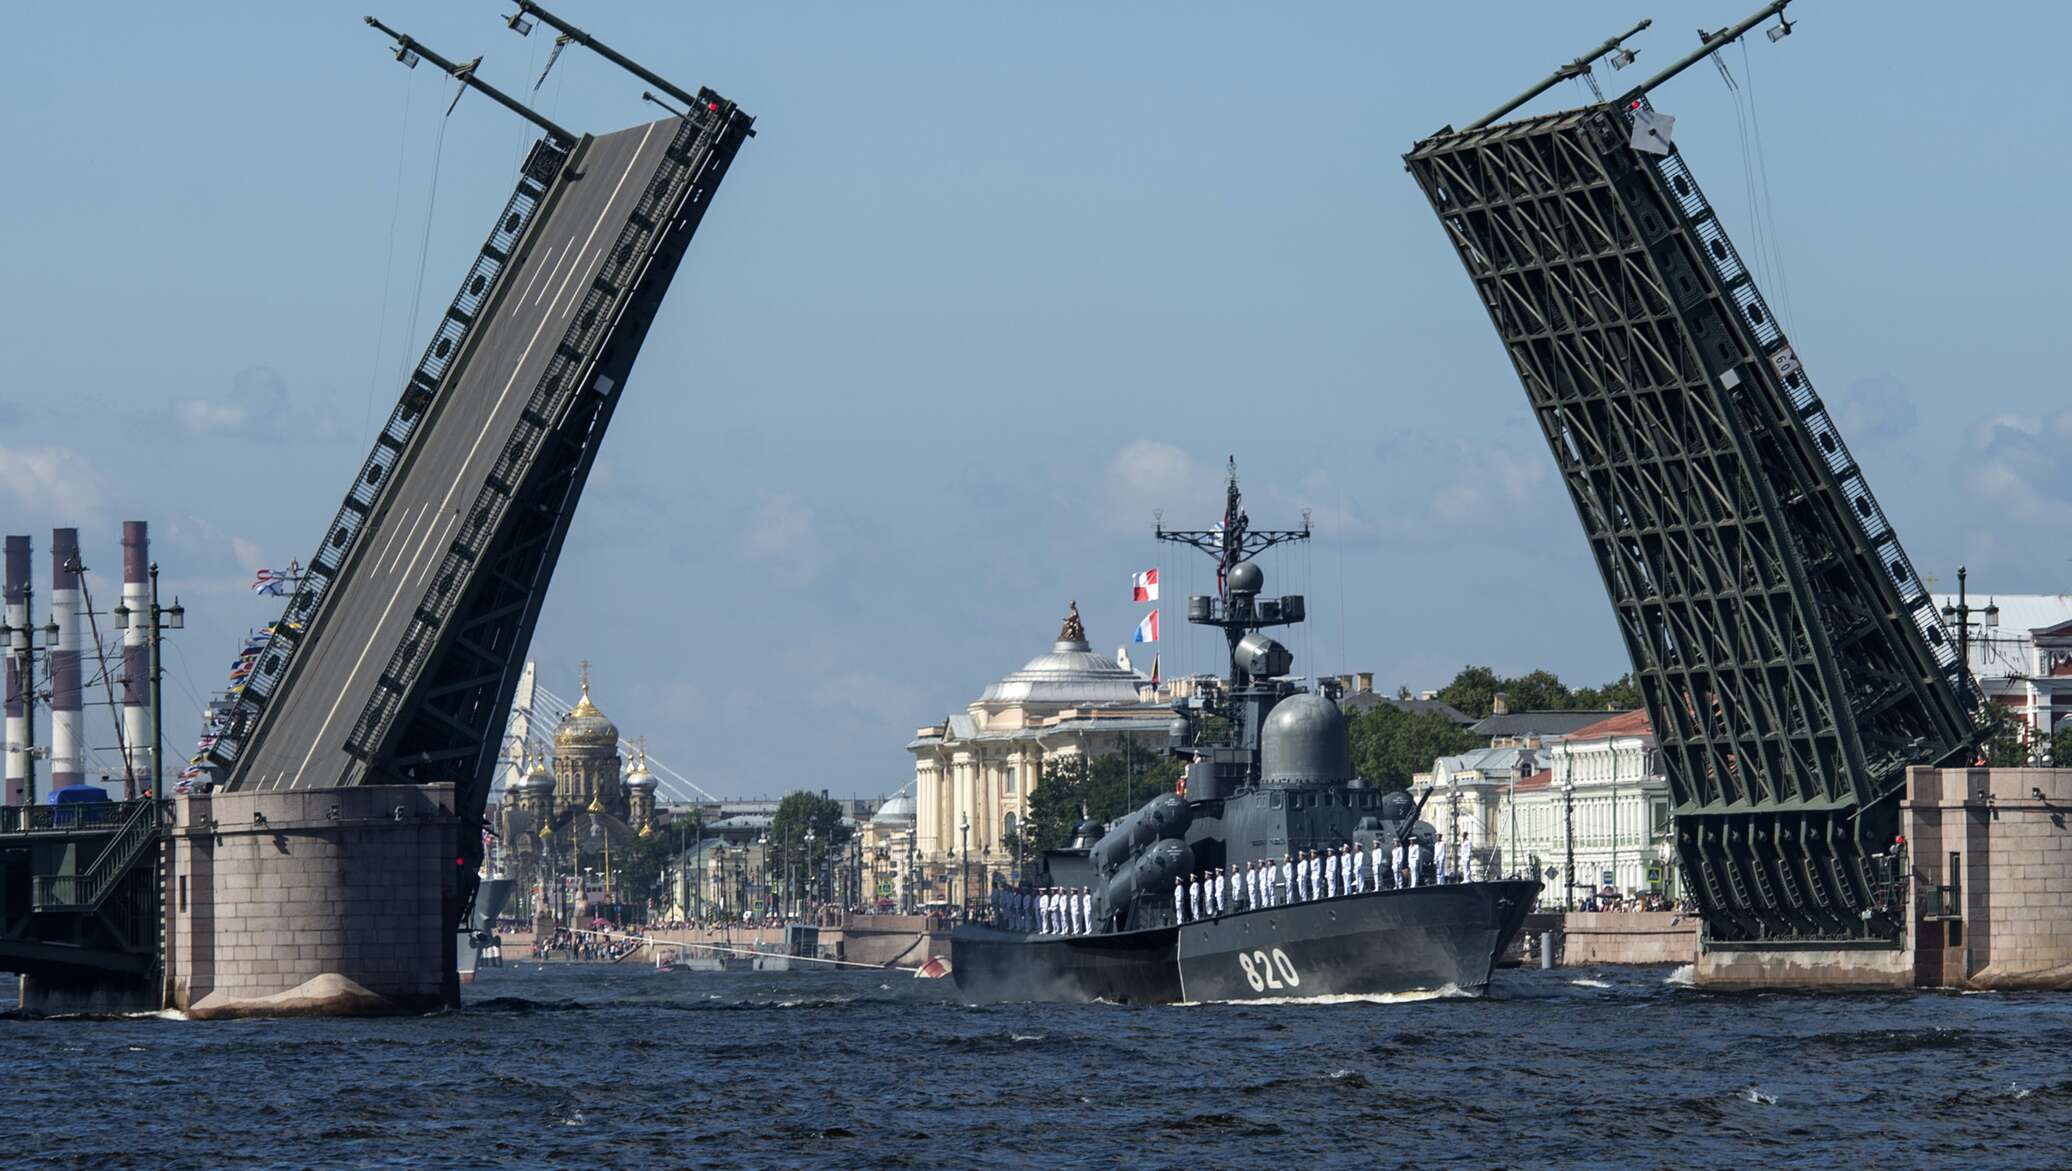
[{"x": 1233, "y": 542}]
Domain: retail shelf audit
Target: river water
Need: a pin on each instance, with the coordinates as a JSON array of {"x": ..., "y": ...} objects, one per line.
[{"x": 587, "y": 1066}]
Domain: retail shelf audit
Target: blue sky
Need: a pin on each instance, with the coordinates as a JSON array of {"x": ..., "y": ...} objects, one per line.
[{"x": 993, "y": 283}]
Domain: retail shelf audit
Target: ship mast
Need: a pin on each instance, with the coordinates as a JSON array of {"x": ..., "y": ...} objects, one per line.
[{"x": 1233, "y": 542}]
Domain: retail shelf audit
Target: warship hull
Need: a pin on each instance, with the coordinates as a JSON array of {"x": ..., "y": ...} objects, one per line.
[{"x": 1420, "y": 939}]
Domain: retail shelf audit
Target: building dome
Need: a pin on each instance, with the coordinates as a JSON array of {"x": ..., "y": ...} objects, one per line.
[
  {"x": 586, "y": 727},
  {"x": 1304, "y": 743},
  {"x": 538, "y": 779},
  {"x": 1071, "y": 673},
  {"x": 640, "y": 778},
  {"x": 897, "y": 812}
]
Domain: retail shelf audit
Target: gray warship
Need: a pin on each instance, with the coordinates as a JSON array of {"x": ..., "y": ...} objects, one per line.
[{"x": 1268, "y": 774}]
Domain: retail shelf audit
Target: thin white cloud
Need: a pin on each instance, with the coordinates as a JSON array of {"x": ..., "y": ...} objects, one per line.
[
  {"x": 2017, "y": 466},
  {"x": 51, "y": 481},
  {"x": 257, "y": 407}
]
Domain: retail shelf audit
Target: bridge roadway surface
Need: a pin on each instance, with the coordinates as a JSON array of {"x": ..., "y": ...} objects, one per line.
[{"x": 367, "y": 609}]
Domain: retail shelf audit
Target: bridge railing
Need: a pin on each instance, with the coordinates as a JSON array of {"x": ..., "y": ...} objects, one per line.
[
  {"x": 87, "y": 889},
  {"x": 339, "y": 539},
  {"x": 1864, "y": 510},
  {"x": 64, "y": 819},
  {"x": 566, "y": 375}
]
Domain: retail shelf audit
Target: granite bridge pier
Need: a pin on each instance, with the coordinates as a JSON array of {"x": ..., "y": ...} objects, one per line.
[{"x": 332, "y": 862}]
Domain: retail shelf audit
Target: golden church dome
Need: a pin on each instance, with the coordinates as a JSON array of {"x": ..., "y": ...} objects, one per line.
[{"x": 586, "y": 727}]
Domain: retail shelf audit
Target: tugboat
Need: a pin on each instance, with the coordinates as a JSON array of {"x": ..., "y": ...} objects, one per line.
[{"x": 1269, "y": 777}]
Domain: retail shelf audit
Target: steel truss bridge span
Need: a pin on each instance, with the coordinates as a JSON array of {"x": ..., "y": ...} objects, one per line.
[
  {"x": 398, "y": 656},
  {"x": 1792, "y": 662}
]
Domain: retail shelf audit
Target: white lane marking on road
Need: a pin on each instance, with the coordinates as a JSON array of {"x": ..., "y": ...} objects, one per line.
[
  {"x": 546, "y": 284},
  {"x": 444, "y": 528},
  {"x": 400, "y": 540},
  {"x": 596, "y": 259},
  {"x": 518, "y": 367},
  {"x": 537, "y": 269}
]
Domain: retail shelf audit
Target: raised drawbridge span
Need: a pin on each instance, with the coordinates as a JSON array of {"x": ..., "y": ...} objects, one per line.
[
  {"x": 1791, "y": 659},
  {"x": 397, "y": 656}
]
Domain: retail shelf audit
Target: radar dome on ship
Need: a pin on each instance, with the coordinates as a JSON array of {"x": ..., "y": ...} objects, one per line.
[{"x": 1304, "y": 743}]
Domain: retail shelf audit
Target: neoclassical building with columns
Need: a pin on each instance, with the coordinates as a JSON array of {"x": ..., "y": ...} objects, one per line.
[{"x": 977, "y": 767}]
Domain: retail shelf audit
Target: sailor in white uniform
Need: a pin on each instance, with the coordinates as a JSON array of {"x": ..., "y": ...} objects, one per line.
[
  {"x": 1086, "y": 910},
  {"x": 1439, "y": 853},
  {"x": 1381, "y": 866},
  {"x": 1301, "y": 876},
  {"x": 1329, "y": 861},
  {"x": 1194, "y": 896},
  {"x": 1316, "y": 875},
  {"x": 1252, "y": 884},
  {"x": 1179, "y": 900},
  {"x": 1398, "y": 871},
  {"x": 1416, "y": 861},
  {"x": 1286, "y": 892},
  {"x": 1349, "y": 869}
]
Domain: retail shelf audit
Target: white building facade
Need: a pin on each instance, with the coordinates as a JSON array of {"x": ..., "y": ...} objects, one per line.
[
  {"x": 2020, "y": 648},
  {"x": 1598, "y": 791}
]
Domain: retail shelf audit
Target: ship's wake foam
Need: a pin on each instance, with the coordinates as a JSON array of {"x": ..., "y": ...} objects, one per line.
[{"x": 1443, "y": 992}]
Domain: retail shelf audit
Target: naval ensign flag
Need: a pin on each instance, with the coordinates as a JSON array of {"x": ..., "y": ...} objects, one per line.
[
  {"x": 1147, "y": 630},
  {"x": 1144, "y": 586}
]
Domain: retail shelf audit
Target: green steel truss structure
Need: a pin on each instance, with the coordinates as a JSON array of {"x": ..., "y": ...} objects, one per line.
[{"x": 1791, "y": 659}]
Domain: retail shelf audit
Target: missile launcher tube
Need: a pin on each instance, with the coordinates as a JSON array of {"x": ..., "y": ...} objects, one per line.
[
  {"x": 1152, "y": 870},
  {"x": 1164, "y": 816}
]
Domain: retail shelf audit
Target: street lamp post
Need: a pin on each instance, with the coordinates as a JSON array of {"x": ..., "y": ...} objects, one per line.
[
  {"x": 1568, "y": 817},
  {"x": 802, "y": 897},
  {"x": 906, "y": 885},
  {"x": 964, "y": 897},
  {"x": 159, "y": 619}
]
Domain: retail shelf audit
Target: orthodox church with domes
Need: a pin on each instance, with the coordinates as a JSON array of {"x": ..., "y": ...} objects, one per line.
[
  {"x": 976, "y": 767},
  {"x": 566, "y": 806}
]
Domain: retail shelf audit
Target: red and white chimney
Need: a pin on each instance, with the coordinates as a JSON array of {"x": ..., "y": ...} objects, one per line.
[
  {"x": 136, "y": 659},
  {"x": 67, "y": 716}
]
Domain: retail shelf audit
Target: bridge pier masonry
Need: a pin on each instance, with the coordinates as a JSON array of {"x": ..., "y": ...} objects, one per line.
[
  {"x": 1991, "y": 901},
  {"x": 312, "y": 902}
]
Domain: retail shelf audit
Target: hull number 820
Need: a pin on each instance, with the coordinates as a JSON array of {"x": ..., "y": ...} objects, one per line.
[{"x": 1269, "y": 972}]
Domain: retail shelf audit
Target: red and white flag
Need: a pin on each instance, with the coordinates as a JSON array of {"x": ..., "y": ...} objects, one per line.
[
  {"x": 1147, "y": 630},
  {"x": 1144, "y": 586}
]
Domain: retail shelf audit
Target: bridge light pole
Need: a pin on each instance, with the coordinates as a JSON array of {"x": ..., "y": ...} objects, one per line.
[{"x": 158, "y": 619}]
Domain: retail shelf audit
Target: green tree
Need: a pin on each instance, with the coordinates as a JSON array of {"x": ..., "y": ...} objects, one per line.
[
  {"x": 1104, "y": 788},
  {"x": 1621, "y": 694},
  {"x": 2061, "y": 747},
  {"x": 1389, "y": 745},
  {"x": 2007, "y": 738},
  {"x": 1538, "y": 691},
  {"x": 797, "y": 813},
  {"x": 1472, "y": 690},
  {"x": 640, "y": 868}
]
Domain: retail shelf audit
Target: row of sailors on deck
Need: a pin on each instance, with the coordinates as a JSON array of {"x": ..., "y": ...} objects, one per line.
[
  {"x": 1306, "y": 876},
  {"x": 1302, "y": 877},
  {"x": 1056, "y": 910}
]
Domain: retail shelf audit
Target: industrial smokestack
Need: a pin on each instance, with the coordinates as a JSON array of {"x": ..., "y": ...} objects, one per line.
[
  {"x": 17, "y": 710},
  {"x": 136, "y": 660},
  {"x": 67, "y": 717}
]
